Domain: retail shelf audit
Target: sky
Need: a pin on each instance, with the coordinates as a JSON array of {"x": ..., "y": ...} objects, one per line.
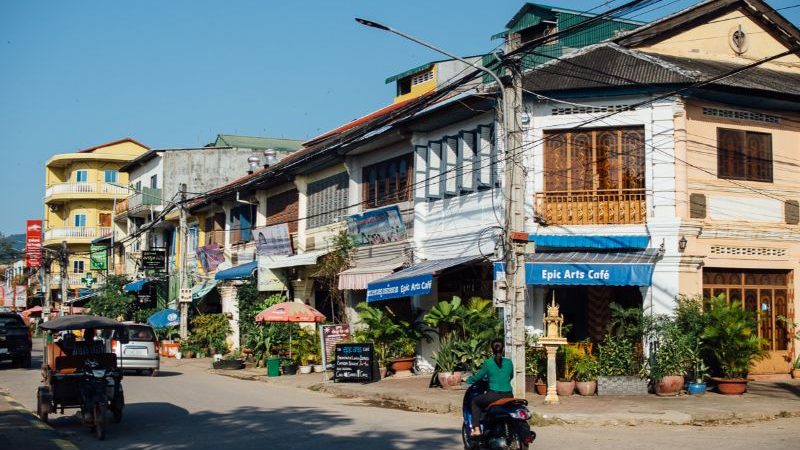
[{"x": 175, "y": 74}]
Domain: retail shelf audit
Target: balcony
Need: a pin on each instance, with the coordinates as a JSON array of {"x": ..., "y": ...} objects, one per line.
[
  {"x": 75, "y": 234},
  {"x": 612, "y": 207},
  {"x": 142, "y": 202},
  {"x": 74, "y": 281},
  {"x": 61, "y": 192}
]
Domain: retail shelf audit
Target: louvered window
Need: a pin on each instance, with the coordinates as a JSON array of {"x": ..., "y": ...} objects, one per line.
[
  {"x": 387, "y": 182},
  {"x": 283, "y": 208},
  {"x": 327, "y": 200}
]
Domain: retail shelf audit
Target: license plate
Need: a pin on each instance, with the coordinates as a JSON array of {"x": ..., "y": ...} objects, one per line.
[
  {"x": 136, "y": 351},
  {"x": 3, "y": 350}
]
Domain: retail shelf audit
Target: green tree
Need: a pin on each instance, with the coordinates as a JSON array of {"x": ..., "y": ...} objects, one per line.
[
  {"x": 111, "y": 301},
  {"x": 328, "y": 269}
]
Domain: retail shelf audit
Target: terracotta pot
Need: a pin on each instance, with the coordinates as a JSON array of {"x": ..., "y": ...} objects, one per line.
[
  {"x": 669, "y": 385},
  {"x": 449, "y": 380},
  {"x": 541, "y": 388},
  {"x": 731, "y": 386},
  {"x": 402, "y": 364},
  {"x": 795, "y": 373},
  {"x": 586, "y": 388},
  {"x": 565, "y": 388}
]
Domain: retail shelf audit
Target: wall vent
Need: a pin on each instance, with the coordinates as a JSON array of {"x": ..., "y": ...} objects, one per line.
[
  {"x": 747, "y": 251},
  {"x": 566, "y": 111},
  {"x": 737, "y": 114}
]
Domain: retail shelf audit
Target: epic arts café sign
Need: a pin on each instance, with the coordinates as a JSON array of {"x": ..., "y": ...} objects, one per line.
[{"x": 406, "y": 287}]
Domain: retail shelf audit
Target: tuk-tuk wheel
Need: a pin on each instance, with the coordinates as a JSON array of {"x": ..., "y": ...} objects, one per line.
[
  {"x": 42, "y": 410},
  {"x": 100, "y": 420}
]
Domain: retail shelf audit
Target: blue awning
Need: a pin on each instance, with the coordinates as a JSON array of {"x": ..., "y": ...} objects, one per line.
[
  {"x": 588, "y": 268},
  {"x": 136, "y": 286},
  {"x": 236, "y": 273},
  {"x": 83, "y": 294},
  {"x": 589, "y": 242},
  {"x": 414, "y": 280}
]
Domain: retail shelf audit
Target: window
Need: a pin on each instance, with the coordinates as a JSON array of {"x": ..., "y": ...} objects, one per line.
[
  {"x": 744, "y": 155},
  {"x": 404, "y": 86},
  {"x": 387, "y": 182},
  {"x": 77, "y": 266},
  {"x": 215, "y": 229},
  {"x": 241, "y": 223},
  {"x": 111, "y": 176},
  {"x": 80, "y": 220},
  {"x": 154, "y": 181},
  {"x": 81, "y": 176},
  {"x": 327, "y": 200},
  {"x": 283, "y": 208},
  {"x": 138, "y": 186}
]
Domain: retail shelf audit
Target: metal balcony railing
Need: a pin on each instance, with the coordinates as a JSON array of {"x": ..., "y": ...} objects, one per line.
[
  {"x": 612, "y": 207},
  {"x": 77, "y": 232},
  {"x": 85, "y": 188}
]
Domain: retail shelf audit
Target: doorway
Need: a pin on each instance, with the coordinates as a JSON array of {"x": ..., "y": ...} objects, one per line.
[{"x": 587, "y": 309}]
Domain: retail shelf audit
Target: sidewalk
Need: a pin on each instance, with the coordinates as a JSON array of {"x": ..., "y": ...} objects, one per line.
[
  {"x": 19, "y": 428},
  {"x": 764, "y": 401}
]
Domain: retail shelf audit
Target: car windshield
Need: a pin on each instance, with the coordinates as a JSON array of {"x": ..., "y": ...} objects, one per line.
[
  {"x": 140, "y": 333},
  {"x": 10, "y": 322}
]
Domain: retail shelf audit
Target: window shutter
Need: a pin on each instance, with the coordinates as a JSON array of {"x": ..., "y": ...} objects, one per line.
[
  {"x": 485, "y": 163},
  {"x": 467, "y": 161},
  {"x": 450, "y": 164},
  {"x": 420, "y": 172},
  {"x": 792, "y": 212},
  {"x": 697, "y": 206},
  {"x": 434, "y": 169}
]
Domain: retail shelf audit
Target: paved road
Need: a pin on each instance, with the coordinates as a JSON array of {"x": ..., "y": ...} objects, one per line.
[{"x": 187, "y": 408}]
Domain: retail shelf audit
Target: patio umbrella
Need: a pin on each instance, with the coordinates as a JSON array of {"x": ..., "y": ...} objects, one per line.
[
  {"x": 290, "y": 312},
  {"x": 164, "y": 318}
]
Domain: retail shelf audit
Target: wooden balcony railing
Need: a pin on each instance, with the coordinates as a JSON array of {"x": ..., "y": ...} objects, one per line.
[{"x": 613, "y": 207}]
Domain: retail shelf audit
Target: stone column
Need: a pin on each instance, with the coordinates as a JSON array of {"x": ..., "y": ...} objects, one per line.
[
  {"x": 552, "y": 394},
  {"x": 230, "y": 307}
]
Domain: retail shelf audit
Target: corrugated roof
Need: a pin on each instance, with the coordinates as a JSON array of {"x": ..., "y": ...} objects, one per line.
[
  {"x": 648, "y": 256},
  {"x": 410, "y": 72},
  {"x": 257, "y": 142}
]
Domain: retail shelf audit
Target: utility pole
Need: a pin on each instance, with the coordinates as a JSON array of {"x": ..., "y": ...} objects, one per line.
[
  {"x": 63, "y": 260},
  {"x": 183, "y": 298},
  {"x": 46, "y": 268},
  {"x": 515, "y": 235}
]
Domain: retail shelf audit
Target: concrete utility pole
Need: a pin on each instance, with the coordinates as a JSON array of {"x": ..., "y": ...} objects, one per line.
[
  {"x": 63, "y": 260},
  {"x": 46, "y": 268},
  {"x": 515, "y": 236},
  {"x": 182, "y": 272}
]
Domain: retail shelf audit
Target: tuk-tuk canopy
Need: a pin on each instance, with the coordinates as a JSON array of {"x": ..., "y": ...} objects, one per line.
[{"x": 80, "y": 323}]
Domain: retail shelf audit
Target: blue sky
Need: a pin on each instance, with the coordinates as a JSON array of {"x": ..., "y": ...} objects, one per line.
[{"x": 174, "y": 74}]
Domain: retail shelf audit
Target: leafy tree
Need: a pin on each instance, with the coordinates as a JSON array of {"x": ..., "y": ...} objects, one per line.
[
  {"x": 111, "y": 301},
  {"x": 328, "y": 270},
  {"x": 731, "y": 335}
]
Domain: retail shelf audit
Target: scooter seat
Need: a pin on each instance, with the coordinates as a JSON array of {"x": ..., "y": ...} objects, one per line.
[{"x": 508, "y": 402}]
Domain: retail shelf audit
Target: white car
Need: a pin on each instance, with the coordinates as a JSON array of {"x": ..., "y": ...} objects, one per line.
[{"x": 141, "y": 351}]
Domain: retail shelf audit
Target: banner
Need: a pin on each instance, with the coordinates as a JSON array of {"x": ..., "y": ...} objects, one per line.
[
  {"x": 377, "y": 226},
  {"x": 210, "y": 257},
  {"x": 269, "y": 280},
  {"x": 98, "y": 257},
  {"x": 33, "y": 243},
  {"x": 6, "y": 297},
  {"x": 154, "y": 260},
  {"x": 273, "y": 240},
  {"x": 404, "y": 287},
  {"x": 21, "y": 296}
]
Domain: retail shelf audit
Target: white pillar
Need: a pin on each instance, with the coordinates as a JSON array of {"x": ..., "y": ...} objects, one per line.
[{"x": 230, "y": 307}]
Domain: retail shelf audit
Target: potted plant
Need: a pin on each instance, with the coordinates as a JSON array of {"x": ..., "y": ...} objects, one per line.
[
  {"x": 796, "y": 368},
  {"x": 586, "y": 369},
  {"x": 446, "y": 359},
  {"x": 288, "y": 366},
  {"x": 670, "y": 356},
  {"x": 619, "y": 368},
  {"x": 697, "y": 385},
  {"x": 568, "y": 356},
  {"x": 394, "y": 339},
  {"x": 232, "y": 361},
  {"x": 731, "y": 335}
]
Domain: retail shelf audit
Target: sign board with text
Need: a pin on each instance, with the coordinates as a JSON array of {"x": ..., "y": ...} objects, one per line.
[
  {"x": 332, "y": 335},
  {"x": 355, "y": 363},
  {"x": 154, "y": 260},
  {"x": 377, "y": 226},
  {"x": 33, "y": 243},
  {"x": 98, "y": 257},
  {"x": 21, "y": 297},
  {"x": 404, "y": 287}
]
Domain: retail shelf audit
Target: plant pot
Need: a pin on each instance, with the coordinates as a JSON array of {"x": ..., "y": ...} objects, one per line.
[
  {"x": 731, "y": 386},
  {"x": 382, "y": 371},
  {"x": 449, "y": 380},
  {"x": 565, "y": 388},
  {"x": 586, "y": 388},
  {"x": 669, "y": 385},
  {"x": 317, "y": 367},
  {"x": 530, "y": 383},
  {"x": 290, "y": 369},
  {"x": 305, "y": 369},
  {"x": 188, "y": 354},
  {"x": 795, "y": 373},
  {"x": 696, "y": 388},
  {"x": 228, "y": 364},
  {"x": 541, "y": 388},
  {"x": 402, "y": 366}
]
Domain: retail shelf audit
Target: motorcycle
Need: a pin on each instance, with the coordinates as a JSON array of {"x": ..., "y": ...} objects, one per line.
[
  {"x": 504, "y": 423},
  {"x": 99, "y": 388}
]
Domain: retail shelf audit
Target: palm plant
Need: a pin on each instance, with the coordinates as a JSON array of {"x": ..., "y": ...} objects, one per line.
[{"x": 731, "y": 335}]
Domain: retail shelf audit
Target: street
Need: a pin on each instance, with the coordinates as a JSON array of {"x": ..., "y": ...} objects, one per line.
[{"x": 186, "y": 407}]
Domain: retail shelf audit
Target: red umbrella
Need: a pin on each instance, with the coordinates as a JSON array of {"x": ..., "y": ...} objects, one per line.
[{"x": 290, "y": 312}]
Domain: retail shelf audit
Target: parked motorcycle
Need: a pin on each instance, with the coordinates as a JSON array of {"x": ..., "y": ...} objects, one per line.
[{"x": 504, "y": 423}]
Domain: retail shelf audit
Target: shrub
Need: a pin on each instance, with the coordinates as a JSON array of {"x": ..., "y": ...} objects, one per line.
[
  {"x": 671, "y": 350},
  {"x": 731, "y": 336},
  {"x": 617, "y": 357},
  {"x": 586, "y": 368},
  {"x": 209, "y": 331}
]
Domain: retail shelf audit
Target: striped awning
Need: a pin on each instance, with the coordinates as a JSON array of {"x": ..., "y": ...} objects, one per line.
[{"x": 357, "y": 278}]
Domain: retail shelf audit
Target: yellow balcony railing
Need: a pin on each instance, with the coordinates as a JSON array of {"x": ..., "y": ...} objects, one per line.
[
  {"x": 68, "y": 233},
  {"x": 79, "y": 188},
  {"x": 612, "y": 207}
]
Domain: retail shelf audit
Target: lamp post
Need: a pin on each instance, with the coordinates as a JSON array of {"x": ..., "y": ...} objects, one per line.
[{"x": 510, "y": 98}]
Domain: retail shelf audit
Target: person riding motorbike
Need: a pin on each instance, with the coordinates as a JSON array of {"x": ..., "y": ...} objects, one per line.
[{"x": 499, "y": 370}]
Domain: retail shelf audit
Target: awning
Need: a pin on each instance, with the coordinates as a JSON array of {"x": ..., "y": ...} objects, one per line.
[
  {"x": 589, "y": 242},
  {"x": 303, "y": 259},
  {"x": 414, "y": 280},
  {"x": 360, "y": 276},
  {"x": 201, "y": 289},
  {"x": 136, "y": 286},
  {"x": 238, "y": 272},
  {"x": 588, "y": 268},
  {"x": 83, "y": 294}
]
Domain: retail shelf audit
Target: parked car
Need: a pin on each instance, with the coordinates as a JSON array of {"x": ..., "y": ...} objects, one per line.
[
  {"x": 15, "y": 340},
  {"x": 141, "y": 351}
]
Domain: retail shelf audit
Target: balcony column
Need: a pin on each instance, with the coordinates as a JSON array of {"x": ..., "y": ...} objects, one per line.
[{"x": 228, "y": 292}]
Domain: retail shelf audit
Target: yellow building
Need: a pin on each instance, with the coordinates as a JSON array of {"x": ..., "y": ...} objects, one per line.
[{"x": 80, "y": 190}]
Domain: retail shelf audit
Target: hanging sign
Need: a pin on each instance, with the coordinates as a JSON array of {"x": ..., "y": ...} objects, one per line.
[
  {"x": 269, "y": 280},
  {"x": 404, "y": 287},
  {"x": 332, "y": 335},
  {"x": 6, "y": 297},
  {"x": 273, "y": 240},
  {"x": 98, "y": 257},
  {"x": 377, "y": 226},
  {"x": 33, "y": 243},
  {"x": 355, "y": 363},
  {"x": 154, "y": 260},
  {"x": 20, "y": 296},
  {"x": 211, "y": 256}
]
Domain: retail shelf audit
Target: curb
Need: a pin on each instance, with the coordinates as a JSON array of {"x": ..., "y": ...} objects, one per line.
[{"x": 58, "y": 441}]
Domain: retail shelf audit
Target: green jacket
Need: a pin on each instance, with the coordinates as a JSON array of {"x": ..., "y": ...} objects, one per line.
[{"x": 499, "y": 377}]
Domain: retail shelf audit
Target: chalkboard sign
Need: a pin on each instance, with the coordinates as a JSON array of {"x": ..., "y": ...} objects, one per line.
[
  {"x": 355, "y": 363},
  {"x": 332, "y": 335},
  {"x": 154, "y": 260}
]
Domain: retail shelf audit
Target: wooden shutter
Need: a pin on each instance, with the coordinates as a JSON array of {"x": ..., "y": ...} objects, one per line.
[
  {"x": 284, "y": 208},
  {"x": 420, "y": 172},
  {"x": 450, "y": 164},
  {"x": 792, "y": 212},
  {"x": 434, "y": 169},
  {"x": 467, "y": 161},
  {"x": 486, "y": 161},
  {"x": 697, "y": 206}
]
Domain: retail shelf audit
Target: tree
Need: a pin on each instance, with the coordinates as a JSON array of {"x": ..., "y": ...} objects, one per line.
[
  {"x": 328, "y": 269},
  {"x": 111, "y": 300}
]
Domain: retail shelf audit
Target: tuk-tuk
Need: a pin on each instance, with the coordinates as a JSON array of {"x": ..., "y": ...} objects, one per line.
[{"x": 81, "y": 373}]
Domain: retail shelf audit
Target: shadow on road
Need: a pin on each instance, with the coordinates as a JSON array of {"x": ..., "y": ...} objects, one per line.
[{"x": 166, "y": 426}]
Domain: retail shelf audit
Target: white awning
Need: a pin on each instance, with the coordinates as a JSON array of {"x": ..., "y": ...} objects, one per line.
[
  {"x": 303, "y": 259},
  {"x": 358, "y": 277}
]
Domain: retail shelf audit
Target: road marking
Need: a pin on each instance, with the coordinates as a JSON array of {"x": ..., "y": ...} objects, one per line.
[{"x": 63, "y": 444}]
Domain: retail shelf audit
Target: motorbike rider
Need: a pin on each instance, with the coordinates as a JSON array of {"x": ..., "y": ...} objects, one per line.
[{"x": 499, "y": 371}]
